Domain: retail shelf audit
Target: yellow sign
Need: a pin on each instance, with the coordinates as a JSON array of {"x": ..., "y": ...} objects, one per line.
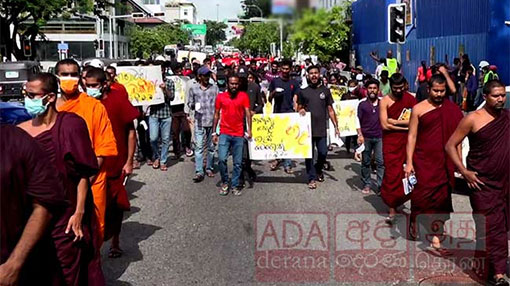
[
  {"x": 142, "y": 84},
  {"x": 337, "y": 92},
  {"x": 282, "y": 135},
  {"x": 180, "y": 83},
  {"x": 347, "y": 117}
]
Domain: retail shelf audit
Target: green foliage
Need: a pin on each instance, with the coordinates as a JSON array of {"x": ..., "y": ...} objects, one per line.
[
  {"x": 215, "y": 32},
  {"x": 322, "y": 33},
  {"x": 153, "y": 40},
  {"x": 257, "y": 37}
]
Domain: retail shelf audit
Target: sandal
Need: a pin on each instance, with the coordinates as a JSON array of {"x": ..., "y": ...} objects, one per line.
[
  {"x": 274, "y": 165},
  {"x": 390, "y": 220},
  {"x": 149, "y": 162},
  {"x": 115, "y": 253},
  {"x": 209, "y": 173},
  {"x": 289, "y": 171},
  {"x": 320, "y": 177},
  {"x": 164, "y": 167},
  {"x": 155, "y": 164},
  {"x": 224, "y": 190},
  {"x": 365, "y": 191},
  {"x": 136, "y": 164},
  {"x": 198, "y": 178},
  {"x": 438, "y": 251},
  {"x": 312, "y": 185}
]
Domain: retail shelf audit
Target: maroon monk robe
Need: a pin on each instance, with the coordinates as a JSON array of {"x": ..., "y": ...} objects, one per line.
[
  {"x": 433, "y": 167},
  {"x": 25, "y": 176},
  {"x": 68, "y": 146},
  {"x": 489, "y": 155},
  {"x": 394, "y": 155},
  {"x": 121, "y": 114}
]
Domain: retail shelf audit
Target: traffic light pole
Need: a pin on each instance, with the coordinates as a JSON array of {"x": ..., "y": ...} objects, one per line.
[{"x": 399, "y": 53}]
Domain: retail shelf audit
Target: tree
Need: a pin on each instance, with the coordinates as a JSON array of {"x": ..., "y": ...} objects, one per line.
[
  {"x": 257, "y": 37},
  {"x": 250, "y": 11},
  {"x": 147, "y": 41},
  {"x": 215, "y": 32},
  {"x": 322, "y": 33},
  {"x": 27, "y": 17}
]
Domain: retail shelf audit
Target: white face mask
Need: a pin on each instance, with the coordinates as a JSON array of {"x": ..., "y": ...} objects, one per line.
[{"x": 351, "y": 89}]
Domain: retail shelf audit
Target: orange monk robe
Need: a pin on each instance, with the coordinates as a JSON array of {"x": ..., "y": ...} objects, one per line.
[{"x": 103, "y": 143}]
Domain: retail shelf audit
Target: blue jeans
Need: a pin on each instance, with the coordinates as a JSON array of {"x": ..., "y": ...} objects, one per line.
[
  {"x": 322, "y": 151},
  {"x": 160, "y": 127},
  {"x": 372, "y": 145},
  {"x": 235, "y": 145},
  {"x": 203, "y": 134}
]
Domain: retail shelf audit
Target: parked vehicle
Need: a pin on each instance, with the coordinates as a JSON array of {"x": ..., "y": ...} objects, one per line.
[{"x": 13, "y": 76}]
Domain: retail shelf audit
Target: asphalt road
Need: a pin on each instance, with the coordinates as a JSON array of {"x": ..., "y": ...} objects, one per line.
[{"x": 182, "y": 233}]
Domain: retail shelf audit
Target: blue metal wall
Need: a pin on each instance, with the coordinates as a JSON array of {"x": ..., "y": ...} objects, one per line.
[
  {"x": 440, "y": 18},
  {"x": 478, "y": 25}
]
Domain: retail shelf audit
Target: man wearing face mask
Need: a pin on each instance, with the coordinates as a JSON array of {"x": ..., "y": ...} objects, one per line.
[
  {"x": 370, "y": 134},
  {"x": 432, "y": 123},
  {"x": 201, "y": 99},
  {"x": 395, "y": 110},
  {"x": 234, "y": 108},
  {"x": 98, "y": 125},
  {"x": 121, "y": 114},
  {"x": 64, "y": 138},
  {"x": 317, "y": 100}
]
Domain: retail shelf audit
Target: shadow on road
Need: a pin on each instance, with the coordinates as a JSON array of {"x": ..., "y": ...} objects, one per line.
[{"x": 132, "y": 234}]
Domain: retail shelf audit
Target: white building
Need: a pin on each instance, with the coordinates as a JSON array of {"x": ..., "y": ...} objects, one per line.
[
  {"x": 180, "y": 10},
  {"x": 328, "y": 4}
]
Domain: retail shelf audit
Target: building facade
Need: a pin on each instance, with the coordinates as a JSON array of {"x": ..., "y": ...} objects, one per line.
[{"x": 180, "y": 10}]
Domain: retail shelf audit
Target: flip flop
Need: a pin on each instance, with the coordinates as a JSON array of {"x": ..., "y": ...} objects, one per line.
[
  {"x": 289, "y": 171},
  {"x": 155, "y": 164},
  {"x": 163, "y": 167},
  {"x": 274, "y": 165},
  {"x": 438, "y": 251},
  {"x": 312, "y": 185},
  {"x": 115, "y": 253},
  {"x": 209, "y": 173}
]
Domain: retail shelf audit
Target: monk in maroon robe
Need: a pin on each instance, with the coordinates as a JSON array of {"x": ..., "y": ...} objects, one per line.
[
  {"x": 488, "y": 175},
  {"x": 30, "y": 194},
  {"x": 394, "y": 116},
  {"x": 64, "y": 138},
  {"x": 432, "y": 123}
]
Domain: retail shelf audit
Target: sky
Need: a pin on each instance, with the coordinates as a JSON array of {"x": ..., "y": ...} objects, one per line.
[{"x": 206, "y": 9}]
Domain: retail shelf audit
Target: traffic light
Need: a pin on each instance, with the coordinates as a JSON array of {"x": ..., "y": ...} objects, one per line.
[
  {"x": 397, "y": 23},
  {"x": 96, "y": 44},
  {"x": 27, "y": 48}
]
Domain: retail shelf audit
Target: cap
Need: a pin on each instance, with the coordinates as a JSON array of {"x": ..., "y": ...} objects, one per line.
[
  {"x": 359, "y": 68},
  {"x": 359, "y": 77},
  {"x": 203, "y": 70},
  {"x": 483, "y": 64},
  {"x": 96, "y": 63}
]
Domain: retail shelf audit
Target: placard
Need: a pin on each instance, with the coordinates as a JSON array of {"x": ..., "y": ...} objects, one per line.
[
  {"x": 281, "y": 136},
  {"x": 347, "y": 118},
  {"x": 337, "y": 91},
  {"x": 142, "y": 84},
  {"x": 180, "y": 83}
]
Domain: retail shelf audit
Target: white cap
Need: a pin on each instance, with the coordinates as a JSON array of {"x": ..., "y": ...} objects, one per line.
[
  {"x": 359, "y": 77},
  {"x": 483, "y": 64},
  {"x": 96, "y": 63},
  {"x": 160, "y": 58}
]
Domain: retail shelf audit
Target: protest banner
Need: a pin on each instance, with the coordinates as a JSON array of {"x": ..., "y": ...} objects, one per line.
[
  {"x": 282, "y": 135},
  {"x": 142, "y": 84},
  {"x": 347, "y": 118},
  {"x": 180, "y": 83},
  {"x": 337, "y": 91}
]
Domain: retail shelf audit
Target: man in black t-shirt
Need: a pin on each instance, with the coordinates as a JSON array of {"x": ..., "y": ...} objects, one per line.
[
  {"x": 317, "y": 100},
  {"x": 284, "y": 91}
]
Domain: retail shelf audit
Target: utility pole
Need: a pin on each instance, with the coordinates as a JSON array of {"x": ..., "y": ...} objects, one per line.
[{"x": 217, "y": 12}]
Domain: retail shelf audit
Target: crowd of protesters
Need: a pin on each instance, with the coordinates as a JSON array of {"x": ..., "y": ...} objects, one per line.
[{"x": 64, "y": 171}]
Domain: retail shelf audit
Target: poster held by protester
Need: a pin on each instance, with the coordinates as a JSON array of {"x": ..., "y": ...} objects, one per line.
[
  {"x": 142, "y": 84},
  {"x": 347, "y": 118},
  {"x": 337, "y": 91},
  {"x": 180, "y": 83},
  {"x": 282, "y": 135}
]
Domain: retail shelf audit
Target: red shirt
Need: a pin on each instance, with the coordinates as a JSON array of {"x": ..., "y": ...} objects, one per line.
[{"x": 232, "y": 112}]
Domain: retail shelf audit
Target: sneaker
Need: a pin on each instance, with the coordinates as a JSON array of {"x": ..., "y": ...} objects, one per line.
[
  {"x": 237, "y": 191},
  {"x": 224, "y": 190},
  {"x": 198, "y": 178}
]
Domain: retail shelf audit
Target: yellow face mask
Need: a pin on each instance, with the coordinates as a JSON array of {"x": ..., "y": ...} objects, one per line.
[{"x": 69, "y": 85}]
